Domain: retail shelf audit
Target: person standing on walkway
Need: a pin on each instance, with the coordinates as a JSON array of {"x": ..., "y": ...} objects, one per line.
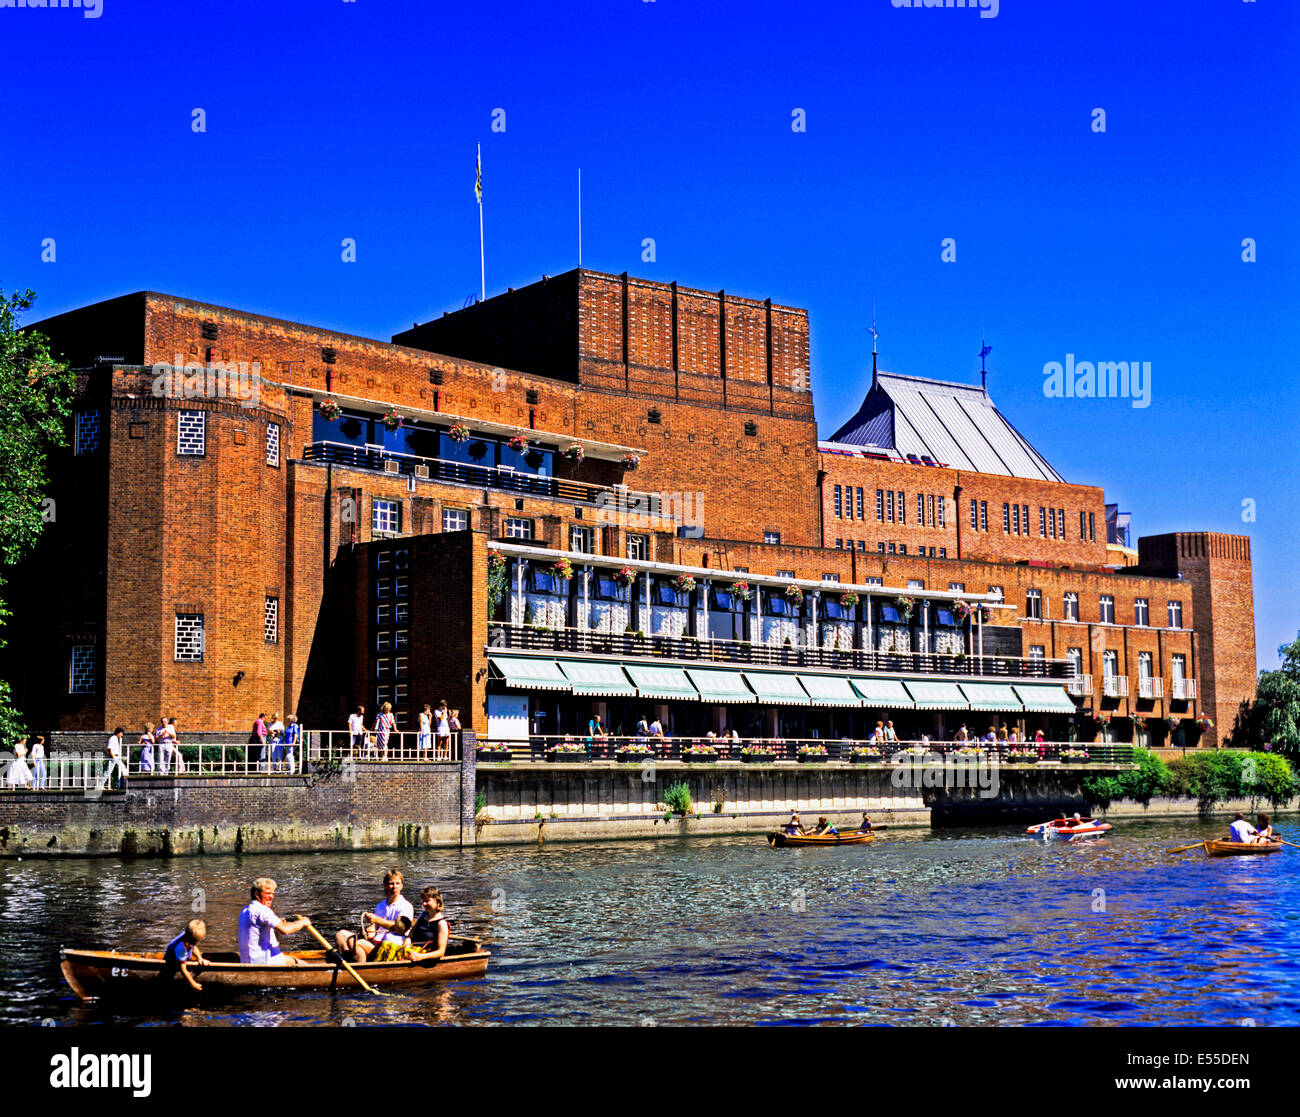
[
  {"x": 39, "y": 777},
  {"x": 443, "y": 732},
  {"x": 385, "y": 723},
  {"x": 276, "y": 732},
  {"x": 114, "y": 758},
  {"x": 146, "y": 749},
  {"x": 175, "y": 741},
  {"x": 259, "y": 741},
  {"x": 425, "y": 740},
  {"x": 18, "y": 775},
  {"x": 164, "y": 747},
  {"x": 357, "y": 729},
  {"x": 292, "y": 738}
]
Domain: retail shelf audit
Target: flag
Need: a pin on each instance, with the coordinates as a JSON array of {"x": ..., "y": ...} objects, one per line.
[{"x": 478, "y": 178}]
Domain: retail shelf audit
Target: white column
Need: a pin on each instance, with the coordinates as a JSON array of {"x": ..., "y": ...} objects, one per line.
[
  {"x": 925, "y": 623},
  {"x": 517, "y": 601},
  {"x": 584, "y": 622},
  {"x": 702, "y": 612},
  {"x": 869, "y": 644},
  {"x": 647, "y": 623},
  {"x": 815, "y": 642},
  {"x": 754, "y": 628}
]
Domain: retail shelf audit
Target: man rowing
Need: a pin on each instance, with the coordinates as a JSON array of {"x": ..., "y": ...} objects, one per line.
[
  {"x": 1243, "y": 832},
  {"x": 259, "y": 925}
]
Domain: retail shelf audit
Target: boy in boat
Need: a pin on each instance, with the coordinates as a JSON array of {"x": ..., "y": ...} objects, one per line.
[
  {"x": 183, "y": 951},
  {"x": 1242, "y": 831},
  {"x": 428, "y": 937},
  {"x": 825, "y": 828},
  {"x": 381, "y": 927}
]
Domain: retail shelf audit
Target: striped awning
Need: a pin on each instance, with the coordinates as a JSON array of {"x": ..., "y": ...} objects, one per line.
[
  {"x": 884, "y": 693},
  {"x": 661, "y": 682},
  {"x": 992, "y": 696},
  {"x": 931, "y": 695},
  {"x": 720, "y": 686},
  {"x": 830, "y": 690},
  {"x": 530, "y": 674},
  {"x": 1044, "y": 698},
  {"x": 783, "y": 690},
  {"x": 595, "y": 678}
]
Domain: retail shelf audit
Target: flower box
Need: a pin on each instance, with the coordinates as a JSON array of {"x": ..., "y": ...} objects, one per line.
[
  {"x": 631, "y": 461},
  {"x": 519, "y": 443},
  {"x": 758, "y": 757},
  {"x": 493, "y": 756},
  {"x": 575, "y": 453},
  {"x": 393, "y": 419},
  {"x": 566, "y": 756},
  {"x": 812, "y": 758},
  {"x": 632, "y": 756},
  {"x": 700, "y": 756},
  {"x": 855, "y": 758}
]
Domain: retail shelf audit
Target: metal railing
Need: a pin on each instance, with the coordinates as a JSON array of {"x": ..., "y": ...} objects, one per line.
[
  {"x": 1151, "y": 688},
  {"x": 1114, "y": 686},
  {"x": 583, "y": 641},
  {"x": 1184, "y": 690},
  {"x": 86, "y": 771},
  {"x": 439, "y": 469},
  {"x": 1080, "y": 687},
  {"x": 576, "y": 748}
]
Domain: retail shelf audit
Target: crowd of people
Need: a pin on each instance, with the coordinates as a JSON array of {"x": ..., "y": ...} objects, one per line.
[{"x": 434, "y": 739}]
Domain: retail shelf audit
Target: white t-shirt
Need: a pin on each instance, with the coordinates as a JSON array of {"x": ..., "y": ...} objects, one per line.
[
  {"x": 1242, "y": 831},
  {"x": 115, "y": 746},
  {"x": 356, "y": 724},
  {"x": 257, "y": 941},
  {"x": 385, "y": 910},
  {"x": 444, "y": 730},
  {"x": 38, "y": 751}
]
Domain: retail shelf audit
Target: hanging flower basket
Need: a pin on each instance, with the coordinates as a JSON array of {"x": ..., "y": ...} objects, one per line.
[
  {"x": 459, "y": 433},
  {"x": 574, "y": 452},
  {"x": 683, "y": 583},
  {"x": 794, "y": 594},
  {"x": 518, "y": 444},
  {"x": 496, "y": 560},
  {"x": 631, "y": 461},
  {"x": 1172, "y": 724},
  {"x": 740, "y": 590},
  {"x": 329, "y": 410},
  {"x": 562, "y": 569},
  {"x": 1102, "y": 719},
  {"x": 962, "y": 610},
  {"x": 393, "y": 419},
  {"x": 986, "y": 614},
  {"x": 849, "y": 600},
  {"x": 905, "y": 606},
  {"x": 1204, "y": 724},
  {"x": 624, "y": 577}
]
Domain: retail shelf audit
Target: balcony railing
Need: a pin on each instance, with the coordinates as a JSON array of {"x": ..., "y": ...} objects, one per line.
[
  {"x": 479, "y": 476},
  {"x": 576, "y": 748},
  {"x": 1115, "y": 686},
  {"x": 1080, "y": 687},
  {"x": 1151, "y": 688},
  {"x": 1184, "y": 690},
  {"x": 627, "y": 644}
]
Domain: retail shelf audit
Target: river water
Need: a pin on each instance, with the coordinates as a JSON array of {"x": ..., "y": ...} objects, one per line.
[{"x": 958, "y": 927}]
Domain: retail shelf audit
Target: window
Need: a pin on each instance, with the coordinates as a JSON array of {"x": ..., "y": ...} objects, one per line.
[
  {"x": 580, "y": 540},
  {"x": 773, "y": 537},
  {"x": 383, "y": 615},
  {"x": 893, "y": 549},
  {"x": 943, "y": 552},
  {"x": 830, "y": 577},
  {"x": 638, "y": 546},
  {"x": 902, "y": 508},
  {"x": 880, "y": 547},
  {"x": 1107, "y": 609},
  {"x": 1179, "y": 669},
  {"x": 889, "y": 506},
  {"x": 785, "y": 573},
  {"x": 542, "y": 581},
  {"x": 1015, "y": 519},
  {"x": 1024, "y": 517},
  {"x": 87, "y": 437},
  {"x": 1060, "y": 523},
  {"x": 774, "y": 605},
  {"x": 271, "y": 620},
  {"x": 915, "y": 584},
  {"x": 385, "y": 517},
  {"x": 400, "y": 666},
  {"x": 519, "y": 529},
  {"x": 996, "y": 591},
  {"x": 932, "y": 511},
  {"x": 401, "y": 638},
  {"x": 1034, "y": 604},
  {"x": 1074, "y": 656},
  {"x": 862, "y": 545},
  {"x": 902, "y": 548},
  {"x": 859, "y": 504},
  {"x": 82, "y": 675},
  {"x": 1142, "y": 612},
  {"x": 839, "y": 544},
  {"x": 1083, "y": 534},
  {"x": 383, "y": 641},
  {"x": 1144, "y": 665},
  {"x": 838, "y": 506},
  {"x": 956, "y": 587},
  {"x": 1006, "y": 519},
  {"x": 606, "y": 588},
  {"x": 974, "y": 515},
  {"x": 455, "y": 519},
  {"x": 834, "y": 611},
  {"x": 402, "y": 586},
  {"x": 402, "y": 612},
  {"x": 873, "y": 581},
  {"x": 931, "y": 551},
  {"x": 273, "y": 444},
  {"x": 1092, "y": 527},
  {"x": 940, "y": 502},
  {"x": 382, "y": 694},
  {"x": 920, "y": 510},
  {"x": 1042, "y": 522},
  {"x": 191, "y": 432},
  {"x": 1037, "y": 653},
  {"x": 1175, "y": 614},
  {"x": 383, "y": 667},
  {"x": 880, "y": 505},
  {"x": 984, "y": 515},
  {"x": 384, "y": 587},
  {"x": 189, "y": 637},
  {"x": 1071, "y": 611}
]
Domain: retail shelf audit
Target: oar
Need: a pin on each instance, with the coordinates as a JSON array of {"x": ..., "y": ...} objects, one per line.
[
  {"x": 346, "y": 964},
  {"x": 1184, "y": 849},
  {"x": 1286, "y": 843}
]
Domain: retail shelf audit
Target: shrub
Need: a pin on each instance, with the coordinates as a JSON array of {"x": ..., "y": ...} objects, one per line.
[
  {"x": 677, "y": 797},
  {"x": 1266, "y": 775},
  {"x": 480, "y": 802},
  {"x": 1152, "y": 777}
]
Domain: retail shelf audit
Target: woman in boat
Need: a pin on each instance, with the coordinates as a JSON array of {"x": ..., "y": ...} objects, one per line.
[
  {"x": 428, "y": 937},
  {"x": 866, "y": 824},
  {"x": 794, "y": 826},
  {"x": 1264, "y": 829}
]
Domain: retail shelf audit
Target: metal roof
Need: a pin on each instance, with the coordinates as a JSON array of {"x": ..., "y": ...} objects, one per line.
[{"x": 956, "y": 424}]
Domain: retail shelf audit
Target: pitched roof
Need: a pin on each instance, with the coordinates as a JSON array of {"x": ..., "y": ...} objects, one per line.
[{"x": 953, "y": 424}]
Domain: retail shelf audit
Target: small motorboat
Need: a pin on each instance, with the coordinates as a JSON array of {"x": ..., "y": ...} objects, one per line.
[
  {"x": 778, "y": 838},
  {"x": 1239, "y": 849},
  {"x": 110, "y": 973},
  {"x": 1069, "y": 828}
]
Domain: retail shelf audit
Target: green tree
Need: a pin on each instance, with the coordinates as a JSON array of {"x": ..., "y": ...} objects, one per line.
[
  {"x": 1141, "y": 785},
  {"x": 1274, "y": 715},
  {"x": 35, "y": 399}
]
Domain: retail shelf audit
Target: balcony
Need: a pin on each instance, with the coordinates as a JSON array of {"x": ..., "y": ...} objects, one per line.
[
  {"x": 627, "y": 644},
  {"x": 1184, "y": 690},
  {"x": 1114, "y": 686},
  {"x": 1080, "y": 687},
  {"x": 478, "y": 476},
  {"x": 1151, "y": 688}
]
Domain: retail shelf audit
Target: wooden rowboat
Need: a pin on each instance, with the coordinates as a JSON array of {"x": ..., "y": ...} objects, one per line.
[
  {"x": 1237, "y": 849},
  {"x": 778, "y": 838},
  {"x": 110, "y": 973}
]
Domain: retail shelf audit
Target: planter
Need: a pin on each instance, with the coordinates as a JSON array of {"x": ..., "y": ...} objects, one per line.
[
  {"x": 760, "y": 758},
  {"x": 813, "y": 759},
  {"x": 865, "y": 759},
  {"x": 566, "y": 757},
  {"x": 493, "y": 756},
  {"x": 700, "y": 757},
  {"x": 633, "y": 757}
]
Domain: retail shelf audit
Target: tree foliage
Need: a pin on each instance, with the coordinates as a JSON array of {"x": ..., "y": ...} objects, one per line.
[
  {"x": 35, "y": 400},
  {"x": 1274, "y": 715},
  {"x": 1210, "y": 777}
]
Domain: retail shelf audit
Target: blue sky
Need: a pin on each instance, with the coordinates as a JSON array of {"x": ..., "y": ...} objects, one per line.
[{"x": 358, "y": 119}]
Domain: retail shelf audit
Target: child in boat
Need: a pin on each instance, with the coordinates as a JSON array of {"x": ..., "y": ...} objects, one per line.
[
  {"x": 428, "y": 937},
  {"x": 184, "y": 950},
  {"x": 866, "y": 824},
  {"x": 794, "y": 826},
  {"x": 824, "y": 827}
]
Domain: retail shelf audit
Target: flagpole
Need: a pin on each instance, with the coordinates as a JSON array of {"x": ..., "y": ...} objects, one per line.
[
  {"x": 579, "y": 217},
  {"x": 482, "y": 270}
]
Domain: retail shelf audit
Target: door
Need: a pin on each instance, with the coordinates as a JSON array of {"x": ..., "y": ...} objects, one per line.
[{"x": 507, "y": 718}]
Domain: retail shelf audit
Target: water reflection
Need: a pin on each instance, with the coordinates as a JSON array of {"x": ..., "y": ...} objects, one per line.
[{"x": 966, "y": 928}]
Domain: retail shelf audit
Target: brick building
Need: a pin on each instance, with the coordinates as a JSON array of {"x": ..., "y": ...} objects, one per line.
[{"x": 243, "y": 526}]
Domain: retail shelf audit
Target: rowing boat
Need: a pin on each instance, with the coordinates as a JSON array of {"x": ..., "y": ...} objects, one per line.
[
  {"x": 778, "y": 838},
  {"x": 1068, "y": 828},
  {"x": 110, "y": 973},
  {"x": 1237, "y": 849}
]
